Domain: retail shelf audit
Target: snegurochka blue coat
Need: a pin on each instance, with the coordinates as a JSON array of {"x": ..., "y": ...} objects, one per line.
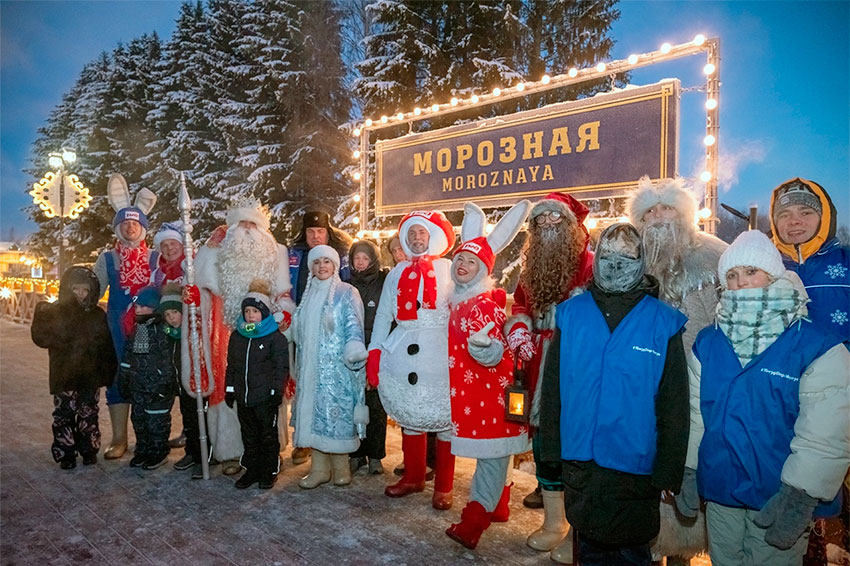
[{"x": 609, "y": 382}]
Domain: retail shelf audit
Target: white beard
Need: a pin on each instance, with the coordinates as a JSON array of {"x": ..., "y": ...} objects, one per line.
[
  {"x": 666, "y": 244},
  {"x": 245, "y": 255}
]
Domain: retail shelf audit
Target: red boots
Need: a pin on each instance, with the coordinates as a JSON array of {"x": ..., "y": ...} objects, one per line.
[
  {"x": 474, "y": 520},
  {"x": 444, "y": 477},
  {"x": 502, "y": 512},
  {"x": 413, "y": 480}
]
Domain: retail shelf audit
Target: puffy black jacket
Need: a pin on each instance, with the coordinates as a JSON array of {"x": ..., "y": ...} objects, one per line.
[
  {"x": 150, "y": 372},
  {"x": 256, "y": 367},
  {"x": 76, "y": 336}
]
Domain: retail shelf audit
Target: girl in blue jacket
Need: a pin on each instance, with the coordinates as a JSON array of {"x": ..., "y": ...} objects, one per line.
[{"x": 770, "y": 434}]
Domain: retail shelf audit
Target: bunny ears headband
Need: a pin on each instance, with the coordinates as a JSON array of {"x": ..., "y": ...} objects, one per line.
[
  {"x": 486, "y": 247},
  {"x": 118, "y": 194}
]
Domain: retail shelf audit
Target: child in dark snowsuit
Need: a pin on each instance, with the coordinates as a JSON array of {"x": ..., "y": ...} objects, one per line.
[
  {"x": 82, "y": 360},
  {"x": 257, "y": 364},
  {"x": 147, "y": 378}
]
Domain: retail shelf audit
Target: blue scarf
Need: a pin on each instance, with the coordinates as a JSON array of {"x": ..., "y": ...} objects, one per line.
[{"x": 256, "y": 329}]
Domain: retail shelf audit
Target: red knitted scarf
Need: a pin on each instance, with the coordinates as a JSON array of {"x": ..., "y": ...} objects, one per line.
[
  {"x": 134, "y": 272},
  {"x": 408, "y": 287}
]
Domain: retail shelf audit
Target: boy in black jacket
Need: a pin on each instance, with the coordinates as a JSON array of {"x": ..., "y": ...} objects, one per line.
[
  {"x": 82, "y": 360},
  {"x": 257, "y": 365},
  {"x": 146, "y": 377}
]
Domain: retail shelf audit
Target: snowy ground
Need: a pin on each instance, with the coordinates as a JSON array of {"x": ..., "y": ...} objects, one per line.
[{"x": 112, "y": 514}]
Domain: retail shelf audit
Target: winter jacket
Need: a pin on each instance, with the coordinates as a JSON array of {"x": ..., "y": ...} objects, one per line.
[
  {"x": 479, "y": 427},
  {"x": 77, "y": 337},
  {"x": 824, "y": 266},
  {"x": 604, "y": 504},
  {"x": 147, "y": 365},
  {"x": 782, "y": 418},
  {"x": 369, "y": 284},
  {"x": 256, "y": 367}
]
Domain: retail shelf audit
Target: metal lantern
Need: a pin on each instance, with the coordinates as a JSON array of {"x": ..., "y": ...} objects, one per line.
[{"x": 517, "y": 403}]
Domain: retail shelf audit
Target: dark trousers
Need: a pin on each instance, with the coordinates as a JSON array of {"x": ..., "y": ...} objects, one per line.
[
  {"x": 75, "y": 426},
  {"x": 259, "y": 437},
  {"x": 374, "y": 445},
  {"x": 151, "y": 417},
  {"x": 549, "y": 474},
  {"x": 592, "y": 553},
  {"x": 191, "y": 428}
]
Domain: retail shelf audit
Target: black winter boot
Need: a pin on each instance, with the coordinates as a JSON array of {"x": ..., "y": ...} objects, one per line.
[{"x": 249, "y": 478}]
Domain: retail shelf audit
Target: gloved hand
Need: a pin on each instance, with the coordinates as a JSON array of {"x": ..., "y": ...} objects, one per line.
[
  {"x": 519, "y": 341},
  {"x": 483, "y": 349},
  {"x": 230, "y": 398},
  {"x": 284, "y": 323},
  {"x": 354, "y": 354},
  {"x": 786, "y": 516},
  {"x": 192, "y": 295},
  {"x": 373, "y": 364},
  {"x": 687, "y": 500}
]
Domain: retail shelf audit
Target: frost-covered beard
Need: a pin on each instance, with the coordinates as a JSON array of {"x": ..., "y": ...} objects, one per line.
[
  {"x": 666, "y": 243},
  {"x": 246, "y": 254},
  {"x": 550, "y": 262}
]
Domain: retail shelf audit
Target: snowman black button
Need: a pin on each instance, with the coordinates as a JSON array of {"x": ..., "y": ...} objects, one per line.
[
  {"x": 412, "y": 378},
  {"x": 413, "y": 349}
]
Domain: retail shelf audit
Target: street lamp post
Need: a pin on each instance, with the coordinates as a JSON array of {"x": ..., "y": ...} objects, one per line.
[{"x": 59, "y": 194}]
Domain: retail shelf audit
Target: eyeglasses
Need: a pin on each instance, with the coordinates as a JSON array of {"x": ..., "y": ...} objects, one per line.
[{"x": 552, "y": 217}]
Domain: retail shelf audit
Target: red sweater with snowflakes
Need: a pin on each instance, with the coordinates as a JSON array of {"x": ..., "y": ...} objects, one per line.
[{"x": 479, "y": 428}]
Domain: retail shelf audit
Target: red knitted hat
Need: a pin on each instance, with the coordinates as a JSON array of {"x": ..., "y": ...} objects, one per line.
[{"x": 481, "y": 249}]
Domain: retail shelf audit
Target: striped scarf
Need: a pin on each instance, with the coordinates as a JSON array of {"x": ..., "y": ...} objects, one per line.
[{"x": 753, "y": 319}]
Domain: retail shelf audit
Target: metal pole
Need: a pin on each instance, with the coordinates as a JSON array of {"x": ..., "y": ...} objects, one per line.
[
  {"x": 59, "y": 263},
  {"x": 185, "y": 206},
  {"x": 712, "y": 128},
  {"x": 754, "y": 217},
  {"x": 364, "y": 178}
]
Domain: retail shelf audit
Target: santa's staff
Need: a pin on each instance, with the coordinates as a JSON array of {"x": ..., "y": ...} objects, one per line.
[{"x": 185, "y": 206}]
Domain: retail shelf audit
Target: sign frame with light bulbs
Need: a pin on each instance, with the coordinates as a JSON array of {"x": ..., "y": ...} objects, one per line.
[{"x": 667, "y": 52}]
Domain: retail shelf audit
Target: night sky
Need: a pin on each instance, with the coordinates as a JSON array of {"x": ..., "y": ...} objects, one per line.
[{"x": 784, "y": 108}]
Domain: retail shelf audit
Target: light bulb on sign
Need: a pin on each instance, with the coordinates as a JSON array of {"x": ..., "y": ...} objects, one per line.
[
  {"x": 435, "y": 107},
  {"x": 355, "y": 220},
  {"x": 356, "y": 132},
  {"x": 497, "y": 91},
  {"x": 573, "y": 72},
  {"x": 666, "y": 47},
  {"x": 710, "y": 104},
  {"x": 545, "y": 79},
  {"x": 357, "y": 197},
  {"x": 357, "y": 175},
  {"x": 356, "y": 153},
  {"x": 591, "y": 223},
  {"x": 417, "y": 111},
  {"x": 633, "y": 59},
  {"x": 600, "y": 67},
  {"x": 709, "y": 140},
  {"x": 520, "y": 87},
  {"x": 699, "y": 39},
  {"x": 384, "y": 119},
  {"x": 709, "y": 68},
  {"x": 454, "y": 101},
  {"x": 368, "y": 122},
  {"x": 474, "y": 98},
  {"x": 705, "y": 176},
  {"x": 400, "y": 116}
]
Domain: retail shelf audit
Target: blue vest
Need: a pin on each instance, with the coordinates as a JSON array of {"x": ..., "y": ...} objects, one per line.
[
  {"x": 609, "y": 381},
  {"x": 749, "y": 413},
  {"x": 826, "y": 275},
  {"x": 119, "y": 299}
]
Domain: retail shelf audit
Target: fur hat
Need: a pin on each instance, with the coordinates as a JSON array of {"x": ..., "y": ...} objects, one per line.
[
  {"x": 670, "y": 192},
  {"x": 250, "y": 210},
  {"x": 147, "y": 297},
  {"x": 168, "y": 231},
  {"x": 322, "y": 251},
  {"x": 441, "y": 231},
  {"x": 172, "y": 298},
  {"x": 258, "y": 297},
  {"x": 751, "y": 249}
]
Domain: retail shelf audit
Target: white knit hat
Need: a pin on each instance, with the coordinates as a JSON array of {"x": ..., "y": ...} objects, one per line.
[
  {"x": 751, "y": 249},
  {"x": 323, "y": 251}
]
